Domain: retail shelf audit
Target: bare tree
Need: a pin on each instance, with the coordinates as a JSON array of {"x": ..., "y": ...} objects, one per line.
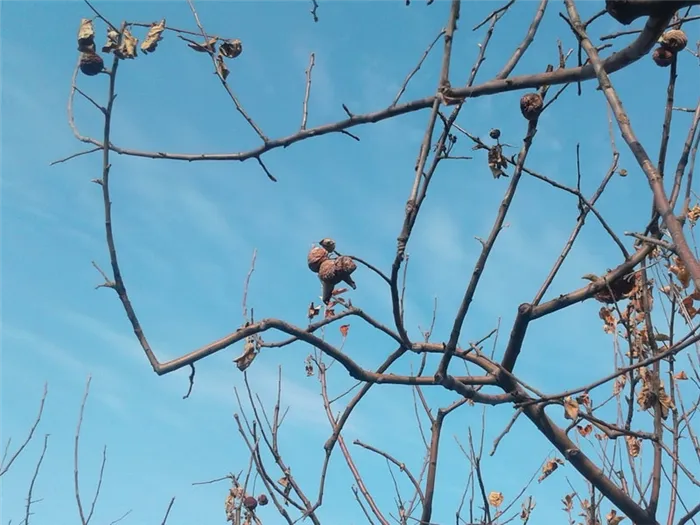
[{"x": 628, "y": 465}]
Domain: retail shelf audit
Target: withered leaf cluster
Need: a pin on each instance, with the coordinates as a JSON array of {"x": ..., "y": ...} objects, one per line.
[
  {"x": 227, "y": 49},
  {"x": 497, "y": 161},
  {"x": 249, "y": 353},
  {"x": 653, "y": 393}
]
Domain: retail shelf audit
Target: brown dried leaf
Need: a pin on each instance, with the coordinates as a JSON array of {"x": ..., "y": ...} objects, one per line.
[
  {"x": 207, "y": 47},
  {"x": 339, "y": 291},
  {"x": 584, "y": 430},
  {"x": 497, "y": 161},
  {"x": 634, "y": 446},
  {"x": 309, "y": 366},
  {"x": 221, "y": 67},
  {"x": 86, "y": 36},
  {"x": 527, "y": 508},
  {"x": 600, "y": 436},
  {"x": 246, "y": 358},
  {"x": 619, "y": 384},
  {"x": 568, "y": 502},
  {"x": 681, "y": 272},
  {"x": 585, "y": 400},
  {"x": 154, "y": 35},
  {"x": 549, "y": 467},
  {"x": 613, "y": 518},
  {"x": 665, "y": 401},
  {"x": 232, "y": 49},
  {"x": 496, "y": 499},
  {"x": 112, "y": 41},
  {"x": 330, "y": 312},
  {"x": 313, "y": 311},
  {"x": 344, "y": 330},
  {"x": 681, "y": 376},
  {"x": 609, "y": 320},
  {"x": 127, "y": 49},
  {"x": 570, "y": 408},
  {"x": 694, "y": 214}
]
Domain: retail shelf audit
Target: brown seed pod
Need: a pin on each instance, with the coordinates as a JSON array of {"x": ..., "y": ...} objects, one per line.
[
  {"x": 262, "y": 500},
  {"x": 344, "y": 266},
  {"x": 316, "y": 256},
  {"x": 674, "y": 40},
  {"x": 328, "y": 273},
  {"x": 91, "y": 64},
  {"x": 250, "y": 503},
  {"x": 495, "y": 133},
  {"x": 531, "y": 105},
  {"x": 328, "y": 244},
  {"x": 231, "y": 48},
  {"x": 662, "y": 56}
]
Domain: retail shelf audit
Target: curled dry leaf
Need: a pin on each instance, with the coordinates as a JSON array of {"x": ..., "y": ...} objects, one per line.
[
  {"x": 86, "y": 36},
  {"x": 154, "y": 35},
  {"x": 570, "y": 408},
  {"x": 527, "y": 508},
  {"x": 585, "y": 400},
  {"x": 313, "y": 311},
  {"x": 112, "y": 41},
  {"x": 127, "y": 49},
  {"x": 634, "y": 446},
  {"x": 694, "y": 214},
  {"x": 221, "y": 67},
  {"x": 344, "y": 330},
  {"x": 619, "y": 384},
  {"x": 584, "y": 430},
  {"x": 612, "y": 517},
  {"x": 496, "y": 499},
  {"x": 681, "y": 376},
  {"x": 497, "y": 161},
  {"x": 231, "y": 48},
  {"x": 309, "y": 366},
  {"x": 681, "y": 272},
  {"x": 246, "y": 358},
  {"x": 230, "y": 507},
  {"x": 549, "y": 467},
  {"x": 609, "y": 320},
  {"x": 568, "y": 502}
]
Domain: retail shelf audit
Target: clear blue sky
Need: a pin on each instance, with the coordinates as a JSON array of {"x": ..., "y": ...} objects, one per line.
[{"x": 186, "y": 232}]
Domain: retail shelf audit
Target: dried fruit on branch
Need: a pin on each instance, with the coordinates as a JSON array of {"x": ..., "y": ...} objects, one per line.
[
  {"x": 674, "y": 40},
  {"x": 231, "y": 48},
  {"x": 86, "y": 36},
  {"x": 621, "y": 288},
  {"x": 662, "y": 57},
  {"x": 531, "y": 105},
  {"x": 262, "y": 500},
  {"x": 315, "y": 257},
  {"x": 154, "y": 35},
  {"x": 91, "y": 64},
  {"x": 328, "y": 244},
  {"x": 344, "y": 267},
  {"x": 495, "y": 133}
]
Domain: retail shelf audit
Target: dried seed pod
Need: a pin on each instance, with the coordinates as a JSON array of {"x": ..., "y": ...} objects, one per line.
[
  {"x": 662, "y": 56},
  {"x": 344, "y": 266},
  {"x": 328, "y": 273},
  {"x": 231, "y": 48},
  {"x": 250, "y": 503},
  {"x": 531, "y": 105},
  {"x": 91, "y": 64},
  {"x": 674, "y": 40},
  {"x": 328, "y": 244},
  {"x": 262, "y": 500},
  {"x": 495, "y": 133},
  {"x": 316, "y": 256}
]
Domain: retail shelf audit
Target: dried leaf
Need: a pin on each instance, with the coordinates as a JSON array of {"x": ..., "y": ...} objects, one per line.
[
  {"x": 86, "y": 36},
  {"x": 207, "y": 47},
  {"x": 681, "y": 272},
  {"x": 339, "y": 291},
  {"x": 127, "y": 48},
  {"x": 634, "y": 446},
  {"x": 313, "y": 311},
  {"x": 330, "y": 312},
  {"x": 665, "y": 401},
  {"x": 681, "y": 376},
  {"x": 527, "y": 508},
  {"x": 570, "y": 408},
  {"x": 344, "y": 330},
  {"x": 585, "y": 400},
  {"x": 221, "y": 67},
  {"x": 497, "y": 161},
  {"x": 246, "y": 358},
  {"x": 496, "y": 499},
  {"x": 232, "y": 49},
  {"x": 613, "y": 518},
  {"x": 112, "y": 41},
  {"x": 309, "y": 366},
  {"x": 600, "y": 436},
  {"x": 549, "y": 467},
  {"x": 694, "y": 214},
  {"x": 568, "y": 502},
  {"x": 609, "y": 320},
  {"x": 619, "y": 384},
  {"x": 154, "y": 35},
  {"x": 584, "y": 430}
]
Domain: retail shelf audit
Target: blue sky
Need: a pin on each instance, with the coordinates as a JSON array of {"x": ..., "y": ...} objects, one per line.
[{"x": 186, "y": 232}]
